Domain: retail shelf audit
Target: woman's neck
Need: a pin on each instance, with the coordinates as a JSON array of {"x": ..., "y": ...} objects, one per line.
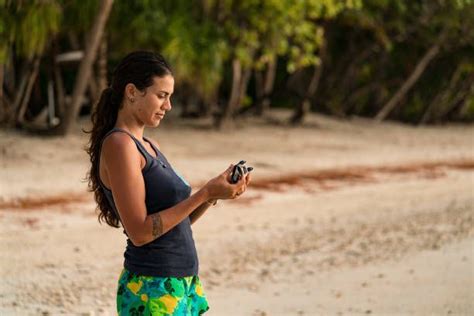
[{"x": 130, "y": 124}]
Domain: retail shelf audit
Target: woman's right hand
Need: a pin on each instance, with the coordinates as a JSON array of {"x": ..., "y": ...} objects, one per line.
[{"x": 221, "y": 188}]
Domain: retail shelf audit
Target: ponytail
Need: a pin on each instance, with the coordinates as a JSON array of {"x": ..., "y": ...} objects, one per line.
[{"x": 103, "y": 120}]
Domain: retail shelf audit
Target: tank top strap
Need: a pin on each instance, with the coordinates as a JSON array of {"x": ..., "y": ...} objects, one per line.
[
  {"x": 157, "y": 151},
  {"x": 139, "y": 145}
]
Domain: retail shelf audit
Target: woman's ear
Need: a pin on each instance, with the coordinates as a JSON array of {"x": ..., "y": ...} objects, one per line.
[{"x": 130, "y": 92}]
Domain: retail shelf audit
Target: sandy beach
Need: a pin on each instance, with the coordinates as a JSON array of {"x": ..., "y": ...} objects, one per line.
[{"x": 343, "y": 217}]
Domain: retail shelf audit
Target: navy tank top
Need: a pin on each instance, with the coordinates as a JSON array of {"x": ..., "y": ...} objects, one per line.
[{"x": 174, "y": 253}]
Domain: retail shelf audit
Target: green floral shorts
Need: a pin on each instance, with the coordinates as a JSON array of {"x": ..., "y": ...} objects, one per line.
[{"x": 147, "y": 295}]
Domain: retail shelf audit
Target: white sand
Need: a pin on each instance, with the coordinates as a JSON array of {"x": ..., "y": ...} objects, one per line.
[{"x": 397, "y": 243}]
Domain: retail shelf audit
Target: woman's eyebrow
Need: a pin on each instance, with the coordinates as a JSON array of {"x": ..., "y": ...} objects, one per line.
[{"x": 166, "y": 92}]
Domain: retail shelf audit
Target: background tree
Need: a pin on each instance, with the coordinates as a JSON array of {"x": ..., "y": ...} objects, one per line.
[
  {"x": 308, "y": 49},
  {"x": 25, "y": 31},
  {"x": 438, "y": 25},
  {"x": 403, "y": 60},
  {"x": 84, "y": 72}
]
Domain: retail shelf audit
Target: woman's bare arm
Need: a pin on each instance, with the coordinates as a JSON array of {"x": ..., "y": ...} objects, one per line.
[{"x": 197, "y": 213}]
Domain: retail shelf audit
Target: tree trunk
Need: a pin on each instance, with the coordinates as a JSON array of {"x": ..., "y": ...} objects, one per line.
[
  {"x": 229, "y": 108},
  {"x": 72, "y": 111},
  {"x": 18, "y": 95},
  {"x": 25, "y": 97},
  {"x": 8, "y": 90},
  {"x": 410, "y": 82},
  {"x": 3, "y": 103},
  {"x": 242, "y": 88},
  {"x": 92, "y": 87},
  {"x": 259, "y": 87},
  {"x": 2, "y": 72},
  {"x": 305, "y": 105},
  {"x": 263, "y": 102},
  {"x": 102, "y": 64},
  {"x": 60, "y": 92},
  {"x": 300, "y": 111},
  {"x": 294, "y": 83},
  {"x": 98, "y": 77}
]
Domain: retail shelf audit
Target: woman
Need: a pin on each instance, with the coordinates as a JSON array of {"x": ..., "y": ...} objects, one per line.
[{"x": 135, "y": 185}]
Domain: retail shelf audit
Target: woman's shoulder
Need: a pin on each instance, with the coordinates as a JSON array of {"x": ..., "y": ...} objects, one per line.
[{"x": 118, "y": 143}]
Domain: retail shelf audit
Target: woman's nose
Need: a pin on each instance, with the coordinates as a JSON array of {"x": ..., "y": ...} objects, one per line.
[{"x": 168, "y": 105}]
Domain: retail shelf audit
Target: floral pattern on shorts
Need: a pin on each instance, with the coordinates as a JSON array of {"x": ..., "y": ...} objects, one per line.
[{"x": 157, "y": 296}]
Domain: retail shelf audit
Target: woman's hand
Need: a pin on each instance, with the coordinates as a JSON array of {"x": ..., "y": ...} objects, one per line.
[{"x": 221, "y": 188}]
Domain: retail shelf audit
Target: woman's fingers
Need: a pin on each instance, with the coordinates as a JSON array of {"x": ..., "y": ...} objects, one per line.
[
  {"x": 238, "y": 188},
  {"x": 228, "y": 170},
  {"x": 242, "y": 180},
  {"x": 228, "y": 173},
  {"x": 242, "y": 185}
]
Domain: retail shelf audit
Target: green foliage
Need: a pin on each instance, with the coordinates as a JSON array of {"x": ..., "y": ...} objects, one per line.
[
  {"x": 470, "y": 109},
  {"x": 28, "y": 25},
  {"x": 375, "y": 48},
  {"x": 371, "y": 45},
  {"x": 78, "y": 15},
  {"x": 196, "y": 53},
  {"x": 177, "y": 29}
]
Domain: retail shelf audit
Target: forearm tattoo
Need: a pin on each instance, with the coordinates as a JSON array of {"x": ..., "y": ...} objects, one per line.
[{"x": 157, "y": 230}]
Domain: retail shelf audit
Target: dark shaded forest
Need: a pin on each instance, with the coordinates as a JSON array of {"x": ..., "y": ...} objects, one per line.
[{"x": 410, "y": 61}]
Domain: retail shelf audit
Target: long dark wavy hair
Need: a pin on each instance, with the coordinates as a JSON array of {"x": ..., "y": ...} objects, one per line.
[{"x": 139, "y": 68}]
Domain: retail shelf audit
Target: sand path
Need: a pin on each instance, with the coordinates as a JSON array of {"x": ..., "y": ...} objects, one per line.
[{"x": 382, "y": 223}]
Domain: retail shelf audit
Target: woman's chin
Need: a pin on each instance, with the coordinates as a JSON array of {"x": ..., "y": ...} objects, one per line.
[{"x": 154, "y": 123}]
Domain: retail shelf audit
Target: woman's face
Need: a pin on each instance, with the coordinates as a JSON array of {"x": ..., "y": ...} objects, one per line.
[{"x": 151, "y": 105}]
